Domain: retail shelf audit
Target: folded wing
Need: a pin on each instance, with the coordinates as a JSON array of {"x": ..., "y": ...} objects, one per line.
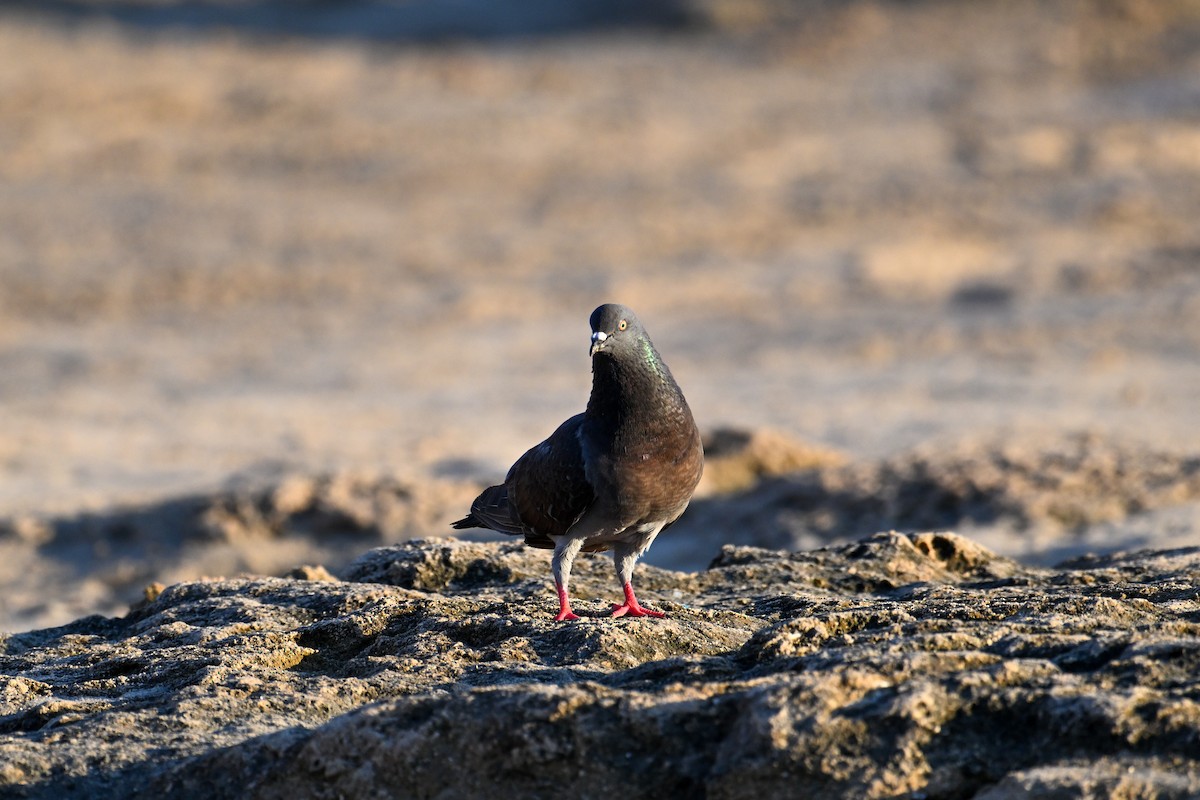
[{"x": 544, "y": 494}]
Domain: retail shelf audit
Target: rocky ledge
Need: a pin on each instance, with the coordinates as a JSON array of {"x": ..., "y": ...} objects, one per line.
[{"x": 903, "y": 665}]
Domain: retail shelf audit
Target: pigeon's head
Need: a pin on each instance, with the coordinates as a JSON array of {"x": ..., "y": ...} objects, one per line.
[{"x": 614, "y": 328}]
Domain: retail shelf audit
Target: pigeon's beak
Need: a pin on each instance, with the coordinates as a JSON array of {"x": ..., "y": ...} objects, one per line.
[{"x": 598, "y": 339}]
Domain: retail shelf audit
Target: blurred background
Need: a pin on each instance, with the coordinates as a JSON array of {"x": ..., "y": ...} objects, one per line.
[{"x": 281, "y": 280}]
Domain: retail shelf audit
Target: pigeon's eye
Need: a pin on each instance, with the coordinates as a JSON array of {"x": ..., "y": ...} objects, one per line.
[{"x": 622, "y": 325}]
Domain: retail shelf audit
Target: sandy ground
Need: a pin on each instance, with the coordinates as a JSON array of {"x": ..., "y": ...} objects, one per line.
[{"x": 230, "y": 257}]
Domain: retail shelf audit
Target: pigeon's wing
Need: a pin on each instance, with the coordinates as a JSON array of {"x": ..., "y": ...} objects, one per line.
[
  {"x": 545, "y": 492},
  {"x": 547, "y": 486}
]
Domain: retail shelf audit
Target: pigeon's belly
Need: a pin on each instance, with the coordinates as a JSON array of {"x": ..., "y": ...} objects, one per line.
[{"x": 639, "y": 535}]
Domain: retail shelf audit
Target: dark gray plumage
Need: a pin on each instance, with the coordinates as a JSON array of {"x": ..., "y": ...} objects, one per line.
[{"x": 610, "y": 478}]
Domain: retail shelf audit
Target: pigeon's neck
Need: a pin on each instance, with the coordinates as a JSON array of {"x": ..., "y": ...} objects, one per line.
[{"x": 636, "y": 389}]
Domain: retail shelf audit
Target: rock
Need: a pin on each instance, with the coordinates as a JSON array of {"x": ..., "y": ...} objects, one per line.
[
  {"x": 26, "y": 529},
  {"x": 1041, "y": 501},
  {"x": 311, "y": 572},
  {"x": 267, "y": 529},
  {"x": 918, "y": 665},
  {"x": 362, "y": 505},
  {"x": 736, "y": 459},
  {"x": 1050, "y": 492}
]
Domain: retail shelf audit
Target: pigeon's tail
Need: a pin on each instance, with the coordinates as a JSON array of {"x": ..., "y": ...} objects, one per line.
[{"x": 493, "y": 511}]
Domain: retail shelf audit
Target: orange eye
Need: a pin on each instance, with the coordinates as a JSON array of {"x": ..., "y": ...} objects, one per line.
[{"x": 622, "y": 325}]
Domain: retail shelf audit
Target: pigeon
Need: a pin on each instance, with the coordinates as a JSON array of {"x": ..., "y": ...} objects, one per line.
[{"x": 610, "y": 478}]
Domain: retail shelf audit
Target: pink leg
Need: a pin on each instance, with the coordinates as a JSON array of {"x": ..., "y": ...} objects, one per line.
[
  {"x": 564, "y": 604},
  {"x": 632, "y": 607}
]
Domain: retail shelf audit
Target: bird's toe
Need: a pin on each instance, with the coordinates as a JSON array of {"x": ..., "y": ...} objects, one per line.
[{"x": 628, "y": 609}]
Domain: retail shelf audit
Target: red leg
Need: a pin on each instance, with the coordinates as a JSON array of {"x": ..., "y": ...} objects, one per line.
[
  {"x": 632, "y": 607},
  {"x": 564, "y": 604}
]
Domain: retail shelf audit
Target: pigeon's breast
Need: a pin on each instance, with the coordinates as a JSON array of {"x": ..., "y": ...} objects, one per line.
[{"x": 651, "y": 483}]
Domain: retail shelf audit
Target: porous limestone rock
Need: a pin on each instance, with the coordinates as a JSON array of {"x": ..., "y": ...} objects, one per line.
[{"x": 902, "y": 665}]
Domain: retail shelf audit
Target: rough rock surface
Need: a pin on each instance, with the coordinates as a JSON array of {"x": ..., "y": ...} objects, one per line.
[{"x": 919, "y": 665}]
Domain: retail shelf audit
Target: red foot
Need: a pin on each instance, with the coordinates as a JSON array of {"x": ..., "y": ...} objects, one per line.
[
  {"x": 564, "y": 605},
  {"x": 635, "y": 611},
  {"x": 632, "y": 607}
]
